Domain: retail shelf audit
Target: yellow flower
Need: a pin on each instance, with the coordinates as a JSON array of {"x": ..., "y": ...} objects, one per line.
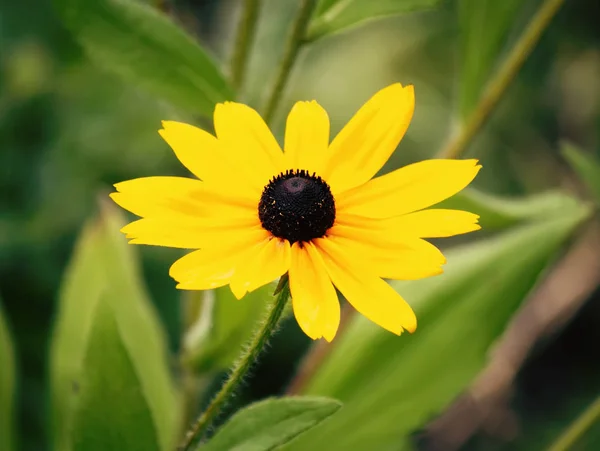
[{"x": 311, "y": 211}]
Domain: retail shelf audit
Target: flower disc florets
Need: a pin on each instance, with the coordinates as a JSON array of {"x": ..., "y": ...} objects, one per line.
[{"x": 297, "y": 206}]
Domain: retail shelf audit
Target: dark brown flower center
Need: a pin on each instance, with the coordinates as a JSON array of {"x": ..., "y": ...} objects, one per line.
[{"x": 297, "y": 206}]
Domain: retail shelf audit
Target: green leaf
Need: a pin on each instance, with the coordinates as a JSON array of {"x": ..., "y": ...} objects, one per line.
[
  {"x": 497, "y": 212},
  {"x": 223, "y": 325},
  {"x": 143, "y": 46},
  {"x": 103, "y": 269},
  {"x": 7, "y": 387},
  {"x": 332, "y": 16},
  {"x": 586, "y": 166},
  {"x": 268, "y": 424},
  {"x": 110, "y": 409},
  {"x": 391, "y": 386},
  {"x": 484, "y": 29},
  {"x": 571, "y": 422}
]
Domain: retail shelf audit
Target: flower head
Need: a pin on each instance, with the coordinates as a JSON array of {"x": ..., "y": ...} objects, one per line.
[{"x": 313, "y": 211}]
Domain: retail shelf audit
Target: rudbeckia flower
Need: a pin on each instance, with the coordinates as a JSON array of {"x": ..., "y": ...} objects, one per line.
[{"x": 313, "y": 210}]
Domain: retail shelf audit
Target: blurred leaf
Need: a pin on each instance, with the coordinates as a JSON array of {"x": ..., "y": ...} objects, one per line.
[
  {"x": 586, "y": 166},
  {"x": 143, "y": 46},
  {"x": 7, "y": 387},
  {"x": 498, "y": 212},
  {"x": 268, "y": 424},
  {"x": 103, "y": 269},
  {"x": 110, "y": 410},
  {"x": 391, "y": 386},
  {"x": 332, "y": 16},
  {"x": 223, "y": 325},
  {"x": 484, "y": 29}
]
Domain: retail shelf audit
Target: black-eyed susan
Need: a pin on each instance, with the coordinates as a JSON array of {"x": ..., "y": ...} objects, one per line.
[{"x": 313, "y": 211}]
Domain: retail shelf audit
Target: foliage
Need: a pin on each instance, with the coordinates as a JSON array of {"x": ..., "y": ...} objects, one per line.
[
  {"x": 104, "y": 304},
  {"x": 118, "y": 350},
  {"x": 146, "y": 48},
  {"x": 7, "y": 387},
  {"x": 332, "y": 16},
  {"x": 272, "y": 423}
]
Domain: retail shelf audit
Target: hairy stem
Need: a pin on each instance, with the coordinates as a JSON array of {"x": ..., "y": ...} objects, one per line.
[
  {"x": 243, "y": 41},
  {"x": 239, "y": 371},
  {"x": 504, "y": 77},
  {"x": 293, "y": 45}
]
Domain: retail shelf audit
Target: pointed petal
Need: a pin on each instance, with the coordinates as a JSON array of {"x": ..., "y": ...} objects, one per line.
[
  {"x": 249, "y": 141},
  {"x": 167, "y": 196},
  {"x": 315, "y": 302},
  {"x": 194, "y": 234},
  {"x": 160, "y": 196},
  {"x": 205, "y": 156},
  {"x": 367, "y": 293},
  {"x": 367, "y": 141},
  {"x": 411, "y": 188},
  {"x": 214, "y": 267},
  {"x": 267, "y": 261},
  {"x": 432, "y": 223},
  {"x": 307, "y": 137},
  {"x": 409, "y": 259}
]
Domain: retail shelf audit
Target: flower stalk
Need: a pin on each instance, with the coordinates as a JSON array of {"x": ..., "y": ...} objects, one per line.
[
  {"x": 503, "y": 79},
  {"x": 239, "y": 371},
  {"x": 243, "y": 41},
  {"x": 294, "y": 43}
]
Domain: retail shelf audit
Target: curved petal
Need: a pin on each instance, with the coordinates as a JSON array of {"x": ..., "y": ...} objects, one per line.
[
  {"x": 307, "y": 137},
  {"x": 367, "y": 293},
  {"x": 266, "y": 262},
  {"x": 363, "y": 146},
  {"x": 411, "y": 259},
  {"x": 249, "y": 141},
  {"x": 408, "y": 189},
  {"x": 194, "y": 234},
  {"x": 205, "y": 156},
  {"x": 214, "y": 267},
  {"x": 315, "y": 302},
  {"x": 167, "y": 196}
]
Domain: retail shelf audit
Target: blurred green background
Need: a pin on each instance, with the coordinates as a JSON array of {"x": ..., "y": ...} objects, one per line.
[{"x": 69, "y": 129}]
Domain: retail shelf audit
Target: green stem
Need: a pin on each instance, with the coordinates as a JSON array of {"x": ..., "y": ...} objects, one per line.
[
  {"x": 293, "y": 45},
  {"x": 239, "y": 371},
  {"x": 576, "y": 430},
  {"x": 499, "y": 84},
  {"x": 243, "y": 41}
]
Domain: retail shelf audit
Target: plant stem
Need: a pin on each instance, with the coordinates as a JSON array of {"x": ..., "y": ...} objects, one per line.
[
  {"x": 243, "y": 42},
  {"x": 239, "y": 371},
  {"x": 505, "y": 76},
  {"x": 293, "y": 45},
  {"x": 576, "y": 430}
]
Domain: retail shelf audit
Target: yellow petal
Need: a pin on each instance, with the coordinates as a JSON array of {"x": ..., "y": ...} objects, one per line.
[
  {"x": 314, "y": 299},
  {"x": 205, "y": 156},
  {"x": 193, "y": 234},
  {"x": 167, "y": 196},
  {"x": 214, "y": 267},
  {"x": 411, "y": 188},
  {"x": 267, "y": 261},
  {"x": 159, "y": 196},
  {"x": 432, "y": 223},
  {"x": 249, "y": 141},
  {"x": 364, "y": 145},
  {"x": 307, "y": 137},
  {"x": 409, "y": 259},
  {"x": 367, "y": 293}
]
